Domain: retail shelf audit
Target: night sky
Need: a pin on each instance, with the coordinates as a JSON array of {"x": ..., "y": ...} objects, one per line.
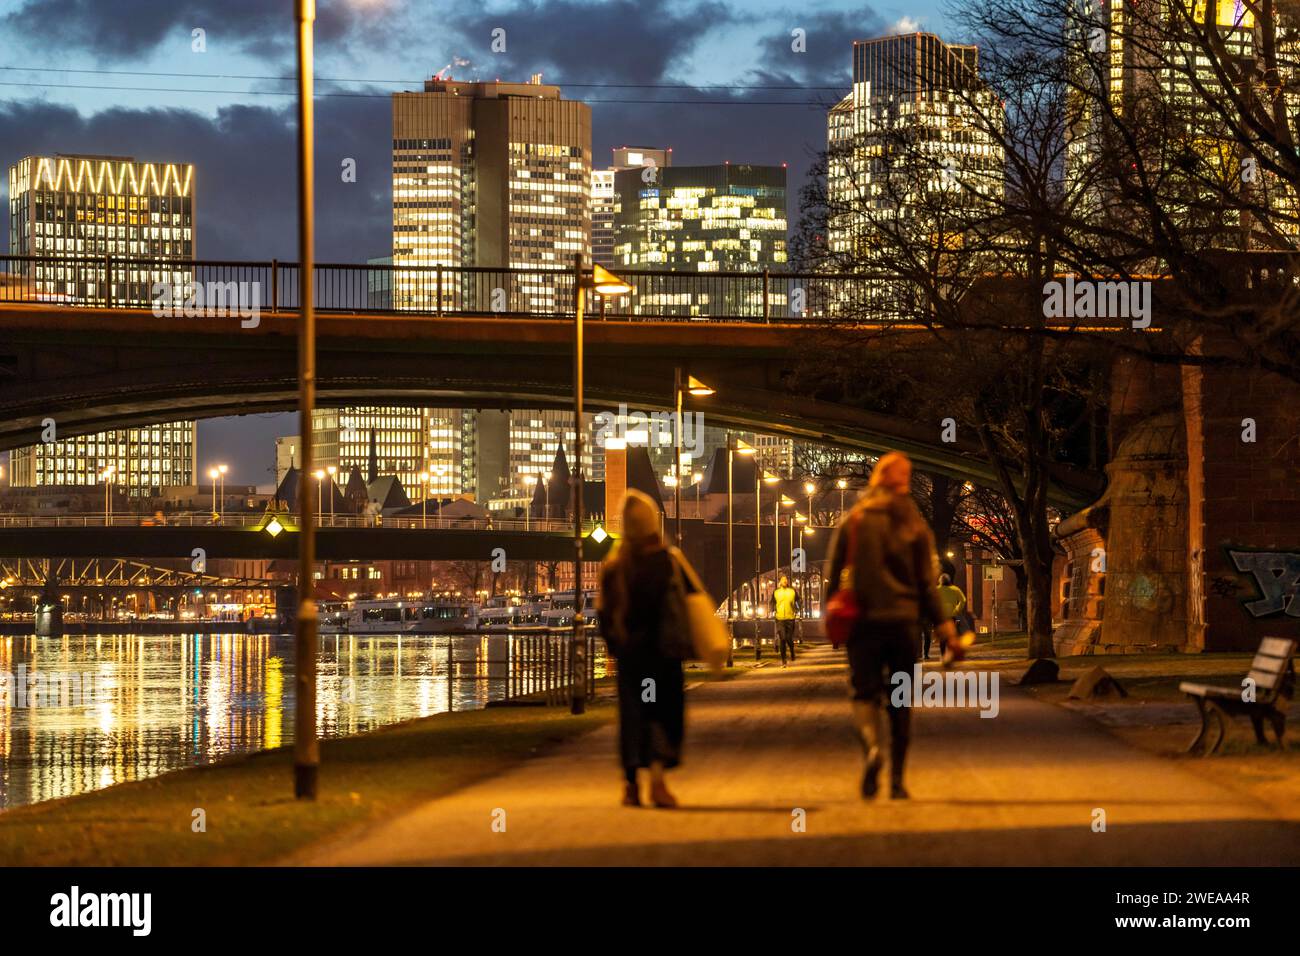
[{"x": 229, "y": 111}]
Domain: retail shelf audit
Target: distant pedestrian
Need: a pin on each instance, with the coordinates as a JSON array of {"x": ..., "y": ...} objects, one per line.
[
  {"x": 643, "y": 620},
  {"x": 953, "y": 602},
  {"x": 785, "y": 611},
  {"x": 884, "y": 551}
]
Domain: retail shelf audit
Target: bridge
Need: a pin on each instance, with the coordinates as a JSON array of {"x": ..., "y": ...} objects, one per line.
[
  {"x": 92, "y": 364},
  {"x": 33, "y": 546}
]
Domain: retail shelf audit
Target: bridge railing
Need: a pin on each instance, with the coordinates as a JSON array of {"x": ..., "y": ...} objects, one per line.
[
  {"x": 189, "y": 288},
  {"x": 205, "y": 519}
]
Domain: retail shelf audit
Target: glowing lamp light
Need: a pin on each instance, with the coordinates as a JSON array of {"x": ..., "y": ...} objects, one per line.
[
  {"x": 606, "y": 283},
  {"x": 696, "y": 387}
]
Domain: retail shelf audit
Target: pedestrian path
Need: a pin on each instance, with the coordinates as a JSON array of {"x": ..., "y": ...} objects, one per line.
[{"x": 770, "y": 776}]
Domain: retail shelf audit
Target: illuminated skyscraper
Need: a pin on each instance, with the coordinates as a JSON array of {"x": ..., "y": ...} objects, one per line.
[
  {"x": 488, "y": 174},
  {"x": 646, "y": 159},
  {"x": 114, "y": 211},
  {"x": 725, "y": 218},
  {"x": 915, "y": 126}
]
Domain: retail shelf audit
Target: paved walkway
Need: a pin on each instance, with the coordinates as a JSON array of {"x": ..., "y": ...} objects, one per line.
[{"x": 1020, "y": 788}]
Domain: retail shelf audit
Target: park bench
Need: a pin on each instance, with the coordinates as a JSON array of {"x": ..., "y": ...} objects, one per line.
[{"x": 1274, "y": 685}]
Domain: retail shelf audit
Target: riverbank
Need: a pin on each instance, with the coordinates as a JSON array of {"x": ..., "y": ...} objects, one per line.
[
  {"x": 249, "y": 815},
  {"x": 247, "y": 805}
]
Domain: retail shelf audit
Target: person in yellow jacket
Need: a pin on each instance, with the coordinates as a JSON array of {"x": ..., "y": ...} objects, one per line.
[{"x": 785, "y": 611}]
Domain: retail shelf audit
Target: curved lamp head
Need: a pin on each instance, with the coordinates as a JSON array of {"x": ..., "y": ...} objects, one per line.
[{"x": 605, "y": 282}]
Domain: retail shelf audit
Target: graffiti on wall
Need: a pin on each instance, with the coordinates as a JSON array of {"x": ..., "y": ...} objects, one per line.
[{"x": 1277, "y": 575}]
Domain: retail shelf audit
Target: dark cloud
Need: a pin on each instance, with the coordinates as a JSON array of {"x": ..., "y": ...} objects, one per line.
[
  {"x": 827, "y": 47},
  {"x": 625, "y": 41},
  {"x": 245, "y": 173},
  {"x": 122, "y": 29}
]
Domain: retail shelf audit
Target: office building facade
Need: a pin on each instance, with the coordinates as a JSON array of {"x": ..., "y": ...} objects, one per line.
[
  {"x": 114, "y": 211},
  {"x": 701, "y": 219},
  {"x": 918, "y": 131}
]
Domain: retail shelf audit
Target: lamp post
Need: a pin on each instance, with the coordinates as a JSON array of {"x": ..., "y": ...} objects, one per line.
[
  {"x": 680, "y": 388},
  {"x": 212, "y": 476},
  {"x": 602, "y": 282},
  {"x": 806, "y": 529},
  {"x": 306, "y": 748},
  {"x": 530, "y": 481},
  {"x": 698, "y": 479},
  {"x": 439, "y": 472},
  {"x": 782, "y": 501},
  {"x": 809, "y": 489},
  {"x": 545, "y": 478},
  {"x": 841, "y": 484},
  {"x": 107, "y": 476},
  {"x": 424, "y": 499},
  {"x": 331, "y": 470},
  {"x": 221, "y": 498},
  {"x": 319, "y": 475}
]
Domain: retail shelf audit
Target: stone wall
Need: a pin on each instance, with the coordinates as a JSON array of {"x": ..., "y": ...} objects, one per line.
[{"x": 1246, "y": 494}]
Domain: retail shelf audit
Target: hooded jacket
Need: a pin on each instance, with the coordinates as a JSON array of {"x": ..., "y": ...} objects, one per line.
[{"x": 895, "y": 576}]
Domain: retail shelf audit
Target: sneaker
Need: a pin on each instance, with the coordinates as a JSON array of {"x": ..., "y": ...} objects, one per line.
[{"x": 898, "y": 792}]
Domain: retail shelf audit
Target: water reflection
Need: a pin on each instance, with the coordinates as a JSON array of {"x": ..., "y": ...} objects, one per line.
[{"x": 143, "y": 705}]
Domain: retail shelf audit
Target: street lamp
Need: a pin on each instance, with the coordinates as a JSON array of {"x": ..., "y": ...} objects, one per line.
[
  {"x": 221, "y": 499},
  {"x": 212, "y": 476},
  {"x": 530, "y": 481},
  {"x": 805, "y": 529},
  {"x": 841, "y": 484},
  {"x": 439, "y": 471},
  {"x": 107, "y": 477},
  {"x": 697, "y": 388},
  {"x": 331, "y": 471},
  {"x": 306, "y": 746},
  {"x": 782, "y": 501},
  {"x": 424, "y": 499},
  {"x": 603, "y": 282},
  {"x": 698, "y": 478},
  {"x": 319, "y": 475},
  {"x": 809, "y": 489}
]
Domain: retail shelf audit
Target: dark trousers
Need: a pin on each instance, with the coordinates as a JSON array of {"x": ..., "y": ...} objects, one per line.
[
  {"x": 876, "y": 652},
  {"x": 785, "y": 637}
]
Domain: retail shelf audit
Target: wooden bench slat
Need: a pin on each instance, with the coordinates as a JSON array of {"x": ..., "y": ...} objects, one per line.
[
  {"x": 1277, "y": 646},
  {"x": 1263, "y": 679},
  {"x": 1274, "y": 665}
]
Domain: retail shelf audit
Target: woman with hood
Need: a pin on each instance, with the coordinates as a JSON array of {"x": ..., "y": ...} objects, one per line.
[{"x": 644, "y": 624}]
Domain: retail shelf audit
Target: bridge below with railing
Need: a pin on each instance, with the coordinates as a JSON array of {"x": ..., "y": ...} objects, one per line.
[{"x": 95, "y": 362}]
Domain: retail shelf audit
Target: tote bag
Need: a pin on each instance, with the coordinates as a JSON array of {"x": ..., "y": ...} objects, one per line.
[{"x": 710, "y": 641}]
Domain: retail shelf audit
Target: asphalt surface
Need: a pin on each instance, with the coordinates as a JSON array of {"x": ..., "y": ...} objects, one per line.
[{"x": 770, "y": 777}]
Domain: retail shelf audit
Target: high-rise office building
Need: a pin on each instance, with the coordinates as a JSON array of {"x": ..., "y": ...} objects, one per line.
[
  {"x": 492, "y": 175},
  {"x": 1148, "y": 69},
  {"x": 488, "y": 174},
  {"x": 406, "y": 442},
  {"x": 916, "y": 126},
  {"x": 724, "y": 218},
  {"x": 646, "y": 159},
  {"x": 112, "y": 210}
]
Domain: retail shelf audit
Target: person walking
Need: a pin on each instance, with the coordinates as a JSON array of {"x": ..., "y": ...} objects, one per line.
[
  {"x": 953, "y": 603},
  {"x": 785, "y": 611},
  {"x": 642, "y": 616},
  {"x": 885, "y": 552}
]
